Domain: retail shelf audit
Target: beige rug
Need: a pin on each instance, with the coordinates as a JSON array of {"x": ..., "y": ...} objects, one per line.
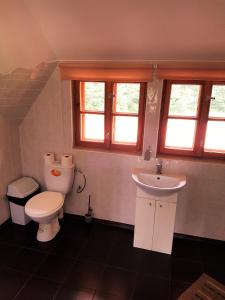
[{"x": 205, "y": 288}]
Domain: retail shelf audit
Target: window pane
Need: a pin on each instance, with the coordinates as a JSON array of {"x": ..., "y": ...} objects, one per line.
[
  {"x": 125, "y": 130},
  {"x": 184, "y": 99},
  {"x": 127, "y": 97},
  {"x": 92, "y": 127},
  {"x": 180, "y": 133},
  {"x": 94, "y": 96},
  {"x": 217, "y": 105},
  {"x": 215, "y": 136}
]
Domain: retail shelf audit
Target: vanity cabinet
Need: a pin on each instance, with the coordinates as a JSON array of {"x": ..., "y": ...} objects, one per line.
[{"x": 154, "y": 222}]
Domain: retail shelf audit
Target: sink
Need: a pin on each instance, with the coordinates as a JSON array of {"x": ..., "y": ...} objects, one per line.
[{"x": 159, "y": 185}]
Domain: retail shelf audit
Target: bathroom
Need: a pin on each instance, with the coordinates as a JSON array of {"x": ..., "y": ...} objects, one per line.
[{"x": 42, "y": 122}]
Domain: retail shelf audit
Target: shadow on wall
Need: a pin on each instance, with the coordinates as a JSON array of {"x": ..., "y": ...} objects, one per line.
[{"x": 20, "y": 88}]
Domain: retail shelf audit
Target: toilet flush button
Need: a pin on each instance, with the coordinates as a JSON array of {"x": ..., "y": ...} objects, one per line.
[{"x": 55, "y": 172}]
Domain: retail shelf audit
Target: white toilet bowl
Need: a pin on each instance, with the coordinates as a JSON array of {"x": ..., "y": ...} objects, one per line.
[{"x": 44, "y": 208}]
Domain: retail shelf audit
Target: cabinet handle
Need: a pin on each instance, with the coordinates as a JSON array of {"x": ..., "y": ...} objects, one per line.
[
  {"x": 160, "y": 205},
  {"x": 150, "y": 204}
]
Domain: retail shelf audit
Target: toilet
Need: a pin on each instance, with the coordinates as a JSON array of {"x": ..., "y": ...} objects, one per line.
[{"x": 45, "y": 208}]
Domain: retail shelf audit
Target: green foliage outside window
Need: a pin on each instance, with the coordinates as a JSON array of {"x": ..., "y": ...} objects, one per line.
[
  {"x": 95, "y": 96},
  {"x": 217, "y": 106},
  {"x": 184, "y": 100},
  {"x": 127, "y": 97}
]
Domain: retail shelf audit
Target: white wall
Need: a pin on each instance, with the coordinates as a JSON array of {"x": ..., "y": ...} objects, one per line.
[
  {"x": 10, "y": 166},
  {"x": 47, "y": 127}
]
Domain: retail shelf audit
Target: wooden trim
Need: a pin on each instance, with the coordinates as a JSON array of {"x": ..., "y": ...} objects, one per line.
[
  {"x": 216, "y": 119},
  {"x": 190, "y": 74},
  {"x": 125, "y": 114},
  {"x": 76, "y": 114},
  {"x": 77, "y": 86},
  {"x": 90, "y": 144},
  {"x": 110, "y": 73},
  {"x": 182, "y": 117},
  {"x": 202, "y": 118},
  {"x": 108, "y": 113},
  {"x": 90, "y": 112},
  {"x": 114, "y": 94},
  {"x": 82, "y": 96}
]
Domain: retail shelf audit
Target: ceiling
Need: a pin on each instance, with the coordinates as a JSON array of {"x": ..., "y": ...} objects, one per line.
[
  {"x": 85, "y": 30},
  {"x": 20, "y": 88}
]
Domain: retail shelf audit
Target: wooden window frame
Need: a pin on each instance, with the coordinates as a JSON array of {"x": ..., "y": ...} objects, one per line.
[
  {"x": 202, "y": 117},
  {"x": 108, "y": 119}
]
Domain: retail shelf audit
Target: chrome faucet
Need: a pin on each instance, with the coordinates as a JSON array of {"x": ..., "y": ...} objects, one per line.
[{"x": 159, "y": 166}]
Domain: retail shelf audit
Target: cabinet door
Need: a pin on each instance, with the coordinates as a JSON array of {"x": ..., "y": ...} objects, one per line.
[
  {"x": 164, "y": 227},
  {"x": 144, "y": 222}
]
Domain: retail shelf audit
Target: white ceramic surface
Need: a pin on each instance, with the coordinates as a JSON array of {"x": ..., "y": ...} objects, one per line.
[{"x": 158, "y": 184}]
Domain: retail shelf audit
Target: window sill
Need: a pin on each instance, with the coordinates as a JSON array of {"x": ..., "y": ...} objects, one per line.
[
  {"x": 191, "y": 158},
  {"x": 110, "y": 151}
]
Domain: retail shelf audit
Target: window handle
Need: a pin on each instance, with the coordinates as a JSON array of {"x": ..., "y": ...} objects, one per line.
[{"x": 111, "y": 96}]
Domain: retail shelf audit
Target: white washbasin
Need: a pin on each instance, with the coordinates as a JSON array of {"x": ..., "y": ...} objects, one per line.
[{"x": 160, "y": 185}]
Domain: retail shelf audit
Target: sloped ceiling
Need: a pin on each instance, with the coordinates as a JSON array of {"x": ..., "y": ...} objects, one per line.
[
  {"x": 55, "y": 30},
  {"x": 20, "y": 88}
]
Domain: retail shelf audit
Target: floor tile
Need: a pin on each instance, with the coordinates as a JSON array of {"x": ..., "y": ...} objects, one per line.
[
  {"x": 177, "y": 288},
  {"x": 102, "y": 232},
  {"x": 14, "y": 234},
  {"x": 27, "y": 260},
  {"x": 68, "y": 246},
  {"x": 187, "y": 249},
  {"x": 55, "y": 268},
  {"x": 96, "y": 250},
  {"x": 99, "y": 262},
  {"x": 213, "y": 253},
  {"x": 124, "y": 237},
  {"x": 187, "y": 271},
  {"x": 156, "y": 264},
  {"x": 7, "y": 252},
  {"x": 110, "y": 297},
  {"x": 149, "y": 287},
  {"x": 11, "y": 281},
  {"x": 75, "y": 229},
  {"x": 125, "y": 256},
  {"x": 117, "y": 282},
  {"x": 85, "y": 275},
  {"x": 46, "y": 247},
  {"x": 69, "y": 293},
  {"x": 216, "y": 271},
  {"x": 37, "y": 289},
  {"x": 100, "y": 240}
]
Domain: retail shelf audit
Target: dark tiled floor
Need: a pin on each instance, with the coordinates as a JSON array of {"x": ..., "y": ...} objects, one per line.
[{"x": 98, "y": 262}]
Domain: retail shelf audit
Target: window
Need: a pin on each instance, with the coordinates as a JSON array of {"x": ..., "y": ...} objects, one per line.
[
  {"x": 193, "y": 119},
  {"x": 109, "y": 115}
]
